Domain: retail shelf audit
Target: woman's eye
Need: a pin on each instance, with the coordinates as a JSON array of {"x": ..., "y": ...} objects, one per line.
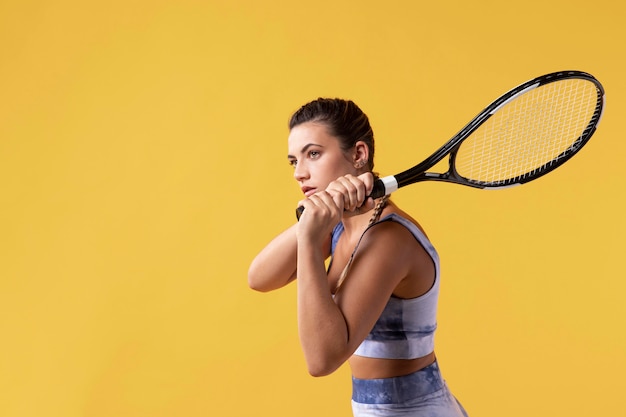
[
  {"x": 314, "y": 154},
  {"x": 293, "y": 163}
]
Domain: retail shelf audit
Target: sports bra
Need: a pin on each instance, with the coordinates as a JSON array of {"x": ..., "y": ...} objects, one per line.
[{"x": 406, "y": 327}]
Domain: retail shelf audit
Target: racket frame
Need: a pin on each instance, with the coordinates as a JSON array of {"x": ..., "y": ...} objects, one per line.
[{"x": 417, "y": 173}]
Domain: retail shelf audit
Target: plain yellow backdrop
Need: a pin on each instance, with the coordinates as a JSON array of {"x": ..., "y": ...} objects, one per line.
[{"x": 143, "y": 165}]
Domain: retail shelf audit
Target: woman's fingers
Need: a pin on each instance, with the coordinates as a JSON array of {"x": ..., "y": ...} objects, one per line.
[
  {"x": 346, "y": 189},
  {"x": 353, "y": 190},
  {"x": 368, "y": 181},
  {"x": 323, "y": 204},
  {"x": 343, "y": 189}
]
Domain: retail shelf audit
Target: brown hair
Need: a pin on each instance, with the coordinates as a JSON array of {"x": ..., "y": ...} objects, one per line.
[{"x": 343, "y": 119}]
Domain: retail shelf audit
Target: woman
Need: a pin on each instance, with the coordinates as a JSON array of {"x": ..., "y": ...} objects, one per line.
[{"x": 375, "y": 304}]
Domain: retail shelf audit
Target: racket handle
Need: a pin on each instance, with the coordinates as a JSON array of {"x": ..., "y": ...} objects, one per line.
[
  {"x": 299, "y": 212},
  {"x": 378, "y": 190}
]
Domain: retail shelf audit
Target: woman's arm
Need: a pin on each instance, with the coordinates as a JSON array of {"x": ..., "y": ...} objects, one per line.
[
  {"x": 275, "y": 266},
  {"x": 332, "y": 329}
]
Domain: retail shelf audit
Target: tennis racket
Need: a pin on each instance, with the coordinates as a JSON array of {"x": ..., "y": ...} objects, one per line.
[{"x": 523, "y": 135}]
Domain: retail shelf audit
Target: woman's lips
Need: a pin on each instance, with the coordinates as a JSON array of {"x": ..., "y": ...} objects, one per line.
[{"x": 308, "y": 191}]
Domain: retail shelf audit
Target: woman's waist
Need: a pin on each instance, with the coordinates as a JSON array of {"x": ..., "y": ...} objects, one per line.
[
  {"x": 398, "y": 389},
  {"x": 374, "y": 368}
]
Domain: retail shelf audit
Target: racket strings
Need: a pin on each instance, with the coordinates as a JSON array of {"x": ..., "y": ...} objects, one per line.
[{"x": 530, "y": 132}]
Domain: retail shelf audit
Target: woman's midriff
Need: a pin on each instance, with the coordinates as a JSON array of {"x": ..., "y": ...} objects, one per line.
[{"x": 375, "y": 368}]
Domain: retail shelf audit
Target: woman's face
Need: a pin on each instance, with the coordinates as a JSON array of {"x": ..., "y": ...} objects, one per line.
[{"x": 316, "y": 157}]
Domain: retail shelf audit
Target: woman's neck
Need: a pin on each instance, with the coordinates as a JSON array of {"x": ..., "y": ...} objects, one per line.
[{"x": 356, "y": 224}]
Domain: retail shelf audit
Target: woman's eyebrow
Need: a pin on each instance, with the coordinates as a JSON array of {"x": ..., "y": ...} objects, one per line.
[{"x": 304, "y": 149}]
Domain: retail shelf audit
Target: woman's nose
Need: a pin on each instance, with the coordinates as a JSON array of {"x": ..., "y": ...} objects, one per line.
[{"x": 300, "y": 172}]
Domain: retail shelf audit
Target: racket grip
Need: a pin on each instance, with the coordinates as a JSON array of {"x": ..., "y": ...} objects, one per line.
[{"x": 378, "y": 190}]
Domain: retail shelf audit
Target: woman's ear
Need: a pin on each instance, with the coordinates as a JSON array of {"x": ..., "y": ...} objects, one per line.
[{"x": 361, "y": 154}]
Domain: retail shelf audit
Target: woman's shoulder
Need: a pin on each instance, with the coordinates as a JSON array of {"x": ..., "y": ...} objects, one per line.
[
  {"x": 392, "y": 233},
  {"x": 398, "y": 216}
]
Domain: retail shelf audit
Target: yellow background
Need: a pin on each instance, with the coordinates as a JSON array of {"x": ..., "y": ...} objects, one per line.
[{"x": 143, "y": 165}]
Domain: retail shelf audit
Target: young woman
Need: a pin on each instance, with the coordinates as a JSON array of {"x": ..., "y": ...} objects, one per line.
[{"x": 375, "y": 305}]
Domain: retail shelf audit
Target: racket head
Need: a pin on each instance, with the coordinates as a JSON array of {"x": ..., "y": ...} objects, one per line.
[{"x": 528, "y": 132}]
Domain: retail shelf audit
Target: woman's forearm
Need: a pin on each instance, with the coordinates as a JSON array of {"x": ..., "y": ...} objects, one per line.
[
  {"x": 321, "y": 324},
  {"x": 275, "y": 266}
]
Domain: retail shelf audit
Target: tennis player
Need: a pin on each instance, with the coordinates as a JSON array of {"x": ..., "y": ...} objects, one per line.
[{"x": 375, "y": 305}]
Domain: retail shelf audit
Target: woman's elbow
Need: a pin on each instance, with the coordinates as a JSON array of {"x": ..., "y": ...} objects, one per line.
[
  {"x": 322, "y": 368},
  {"x": 319, "y": 372},
  {"x": 255, "y": 281}
]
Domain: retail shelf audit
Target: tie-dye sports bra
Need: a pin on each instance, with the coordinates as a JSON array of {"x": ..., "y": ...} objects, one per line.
[{"x": 406, "y": 327}]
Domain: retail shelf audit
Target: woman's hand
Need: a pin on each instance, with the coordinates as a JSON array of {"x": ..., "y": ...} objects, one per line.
[
  {"x": 353, "y": 191},
  {"x": 321, "y": 214},
  {"x": 346, "y": 196}
]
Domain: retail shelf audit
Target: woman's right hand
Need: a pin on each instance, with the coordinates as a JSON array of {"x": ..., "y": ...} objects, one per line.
[{"x": 322, "y": 212}]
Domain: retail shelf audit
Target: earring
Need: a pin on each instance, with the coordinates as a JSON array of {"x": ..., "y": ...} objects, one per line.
[{"x": 359, "y": 164}]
